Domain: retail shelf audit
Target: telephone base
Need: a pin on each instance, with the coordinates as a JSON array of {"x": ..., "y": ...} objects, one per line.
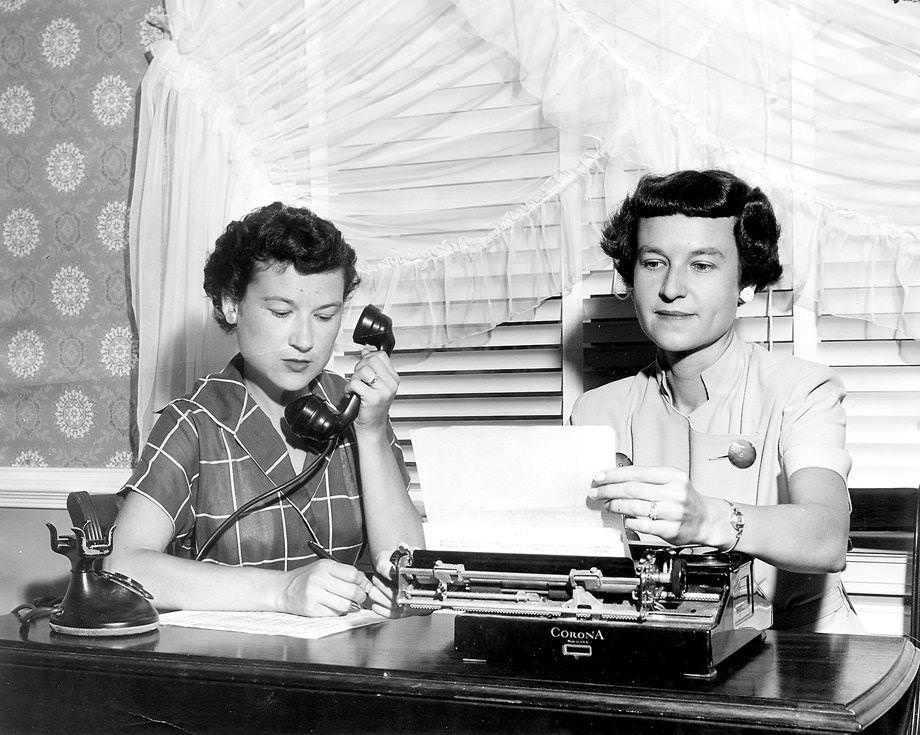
[{"x": 103, "y": 632}]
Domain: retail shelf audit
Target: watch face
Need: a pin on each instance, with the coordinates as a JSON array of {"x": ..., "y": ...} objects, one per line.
[{"x": 737, "y": 519}]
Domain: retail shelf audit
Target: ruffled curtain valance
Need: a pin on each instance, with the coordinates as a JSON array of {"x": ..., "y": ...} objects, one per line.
[
  {"x": 470, "y": 149},
  {"x": 813, "y": 101}
]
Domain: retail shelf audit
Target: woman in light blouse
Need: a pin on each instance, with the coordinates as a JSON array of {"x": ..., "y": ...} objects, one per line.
[{"x": 732, "y": 446}]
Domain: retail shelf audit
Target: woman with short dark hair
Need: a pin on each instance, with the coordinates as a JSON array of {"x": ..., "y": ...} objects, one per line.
[
  {"x": 733, "y": 447},
  {"x": 278, "y": 280}
]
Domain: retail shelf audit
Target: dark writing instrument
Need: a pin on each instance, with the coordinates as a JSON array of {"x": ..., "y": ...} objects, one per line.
[
  {"x": 320, "y": 551},
  {"x": 323, "y": 554}
]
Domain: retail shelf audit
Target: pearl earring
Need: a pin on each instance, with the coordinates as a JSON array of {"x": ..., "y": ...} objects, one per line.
[{"x": 746, "y": 295}]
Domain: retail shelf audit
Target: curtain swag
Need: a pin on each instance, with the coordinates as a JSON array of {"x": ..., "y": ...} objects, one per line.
[{"x": 470, "y": 150}]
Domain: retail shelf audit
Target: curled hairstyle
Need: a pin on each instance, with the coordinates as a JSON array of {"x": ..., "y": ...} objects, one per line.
[
  {"x": 700, "y": 194},
  {"x": 275, "y": 235}
]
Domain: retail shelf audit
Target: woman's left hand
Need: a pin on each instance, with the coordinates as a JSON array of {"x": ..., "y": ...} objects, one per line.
[
  {"x": 375, "y": 380},
  {"x": 382, "y": 598},
  {"x": 662, "y": 501}
]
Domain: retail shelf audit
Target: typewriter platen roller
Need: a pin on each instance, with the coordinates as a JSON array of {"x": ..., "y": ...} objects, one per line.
[{"x": 663, "y": 610}]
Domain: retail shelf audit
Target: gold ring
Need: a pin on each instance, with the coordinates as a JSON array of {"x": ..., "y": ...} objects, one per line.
[{"x": 653, "y": 511}]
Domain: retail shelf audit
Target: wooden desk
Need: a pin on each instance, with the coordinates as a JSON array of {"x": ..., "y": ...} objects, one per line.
[{"x": 403, "y": 677}]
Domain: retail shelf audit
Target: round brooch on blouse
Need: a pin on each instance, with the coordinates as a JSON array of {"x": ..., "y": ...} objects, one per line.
[{"x": 741, "y": 453}]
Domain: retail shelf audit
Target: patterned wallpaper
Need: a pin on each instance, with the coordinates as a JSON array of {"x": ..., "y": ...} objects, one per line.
[{"x": 70, "y": 71}]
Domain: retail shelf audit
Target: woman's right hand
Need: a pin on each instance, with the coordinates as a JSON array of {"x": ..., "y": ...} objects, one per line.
[
  {"x": 663, "y": 502},
  {"x": 322, "y": 589}
]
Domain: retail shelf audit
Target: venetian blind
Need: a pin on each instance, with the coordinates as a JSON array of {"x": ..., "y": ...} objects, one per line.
[
  {"x": 511, "y": 376},
  {"x": 507, "y": 375},
  {"x": 866, "y": 278}
]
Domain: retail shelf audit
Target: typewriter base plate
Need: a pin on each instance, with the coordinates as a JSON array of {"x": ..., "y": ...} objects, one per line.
[{"x": 600, "y": 645}]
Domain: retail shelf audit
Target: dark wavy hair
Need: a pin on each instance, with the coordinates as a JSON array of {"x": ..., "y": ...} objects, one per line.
[
  {"x": 700, "y": 194},
  {"x": 275, "y": 234}
]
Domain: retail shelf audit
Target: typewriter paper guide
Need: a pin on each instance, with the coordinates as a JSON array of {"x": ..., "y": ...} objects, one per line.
[{"x": 517, "y": 489}]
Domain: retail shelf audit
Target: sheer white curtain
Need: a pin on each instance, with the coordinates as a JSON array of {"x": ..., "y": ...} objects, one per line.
[
  {"x": 813, "y": 100},
  {"x": 469, "y": 149}
]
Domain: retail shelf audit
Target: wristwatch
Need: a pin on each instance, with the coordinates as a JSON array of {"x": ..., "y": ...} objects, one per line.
[{"x": 737, "y": 520}]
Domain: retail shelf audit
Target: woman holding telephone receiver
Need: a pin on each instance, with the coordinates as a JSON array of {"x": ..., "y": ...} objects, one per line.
[
  {"x": 278, "y": 280},
  {"x": 732, "y": 446}
]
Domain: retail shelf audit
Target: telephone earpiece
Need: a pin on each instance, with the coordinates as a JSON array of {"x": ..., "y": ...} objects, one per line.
[{"x": 312, "y": 418}]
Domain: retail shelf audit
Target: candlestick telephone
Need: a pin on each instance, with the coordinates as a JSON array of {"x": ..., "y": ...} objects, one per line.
[
  {"x": 98, "y": 602},
  {"x": 103, "y": 603}
]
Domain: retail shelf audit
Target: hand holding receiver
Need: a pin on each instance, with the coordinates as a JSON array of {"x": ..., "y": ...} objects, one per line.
[
  {"x": 313, "y": 418},
  {"x": 375, "y": 381},
  {"x": 322, "y": 589}
]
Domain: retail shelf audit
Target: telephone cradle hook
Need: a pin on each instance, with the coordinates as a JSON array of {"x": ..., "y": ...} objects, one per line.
[{"x": 98, "y": 602}]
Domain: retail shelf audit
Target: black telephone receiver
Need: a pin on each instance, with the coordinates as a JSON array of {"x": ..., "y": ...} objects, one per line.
[
  {"x": 312, "y": 418},
  {"x": 316, "y": 420}
]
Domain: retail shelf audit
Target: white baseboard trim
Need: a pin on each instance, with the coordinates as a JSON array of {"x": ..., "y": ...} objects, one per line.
[{"x": 47, "y": 487}]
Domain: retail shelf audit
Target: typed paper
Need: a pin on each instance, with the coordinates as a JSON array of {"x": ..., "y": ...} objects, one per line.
[{"x": 516, "y": 489}]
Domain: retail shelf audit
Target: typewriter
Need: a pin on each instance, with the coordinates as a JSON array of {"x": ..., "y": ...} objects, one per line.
[{"x": 663, "y": 609}]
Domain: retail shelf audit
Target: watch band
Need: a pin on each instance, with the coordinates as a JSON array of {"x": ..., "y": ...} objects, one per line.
[{"x": 737, "y": 522}]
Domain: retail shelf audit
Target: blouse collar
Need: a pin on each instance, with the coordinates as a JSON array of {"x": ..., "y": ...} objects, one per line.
[{"x": 719, "y": 378}]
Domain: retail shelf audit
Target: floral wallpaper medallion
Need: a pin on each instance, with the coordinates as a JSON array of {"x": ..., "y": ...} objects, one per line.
[{"x": 70, "y": 71}]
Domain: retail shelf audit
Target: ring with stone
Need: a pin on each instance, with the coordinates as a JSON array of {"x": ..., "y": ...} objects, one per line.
[
  {"x": 653, "y": 511},
  {"x": 371, "y": 381}
]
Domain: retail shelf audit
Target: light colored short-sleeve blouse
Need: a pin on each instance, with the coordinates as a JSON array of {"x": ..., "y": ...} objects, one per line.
[{"x": 789, "y": 408}]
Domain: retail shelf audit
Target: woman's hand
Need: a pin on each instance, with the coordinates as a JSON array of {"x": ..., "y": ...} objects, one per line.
[
  {"x": 324, "y": 588},
  {"x": 375, "y": 380},
  {"x": 662, "y": 501},
  {"x": 382, "y": 598}
]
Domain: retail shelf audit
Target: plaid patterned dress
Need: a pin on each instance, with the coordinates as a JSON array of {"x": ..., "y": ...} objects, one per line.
[{"x": 214, "y": 449}]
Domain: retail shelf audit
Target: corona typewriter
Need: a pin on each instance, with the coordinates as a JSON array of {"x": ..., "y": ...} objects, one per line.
[{"x": 662, "y": 609}]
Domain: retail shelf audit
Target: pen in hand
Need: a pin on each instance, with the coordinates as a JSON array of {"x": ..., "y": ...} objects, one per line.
[
  {"x": 320, "y": 551},
  {"x": 323, "y": 554}
]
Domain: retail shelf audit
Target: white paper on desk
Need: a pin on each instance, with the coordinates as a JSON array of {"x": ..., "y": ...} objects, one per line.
[
  {"x": 516, "y": 489},
  {"x": 270, "y": 623}
]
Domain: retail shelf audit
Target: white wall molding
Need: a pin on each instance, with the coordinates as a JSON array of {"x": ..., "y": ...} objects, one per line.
[{"x": 47, "y": 487}]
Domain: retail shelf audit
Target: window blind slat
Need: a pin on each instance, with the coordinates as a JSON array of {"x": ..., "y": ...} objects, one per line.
[
  {"x": 515, "y": 381},
  {"x": 883, "y": 403},
  {"x": 884, "y": 429},
  {"x": 411, "y": 199},
  {"x": 453, "y": 406},
  {"x": 520, "y": 168},
  {"x": 477, "y": 361},
  {"x": 869, "y": 352},
  {"x": 447, "y": 125},
  {"x": 881, "y": 378},
  {"x": 503, "y": 143}
]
